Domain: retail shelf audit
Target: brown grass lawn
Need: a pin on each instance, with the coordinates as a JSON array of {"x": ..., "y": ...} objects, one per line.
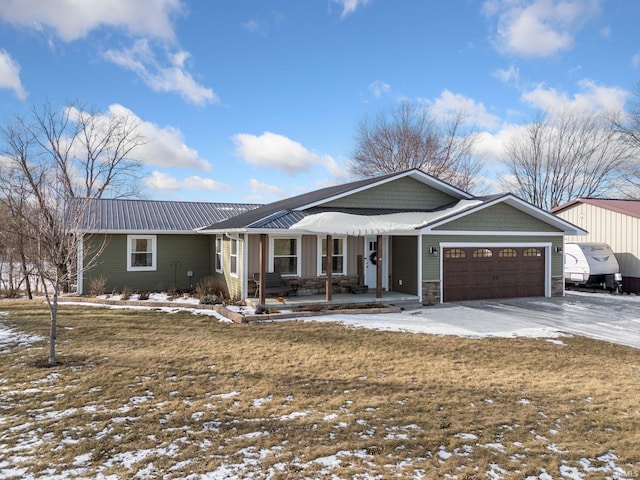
[{"x": 157, "y": 395}]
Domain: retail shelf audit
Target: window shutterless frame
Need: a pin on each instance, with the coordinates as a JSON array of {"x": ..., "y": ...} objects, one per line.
[{"x": 142, "y": 253}]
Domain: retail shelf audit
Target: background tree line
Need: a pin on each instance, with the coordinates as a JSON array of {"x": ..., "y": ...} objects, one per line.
[{"x": 555, "y": 157}]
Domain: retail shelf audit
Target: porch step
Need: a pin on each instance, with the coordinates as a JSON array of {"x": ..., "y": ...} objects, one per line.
[{"x": 359, "y": 289}]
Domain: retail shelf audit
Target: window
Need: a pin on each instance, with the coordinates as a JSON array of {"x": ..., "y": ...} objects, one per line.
[
  {"x": 337, "y": 258},
  {"x": 218, "y": 259},
  {"x": 482, "y": 253},
  {"x": 141, "y": 253},
  {"x": 285, "y": 255},
  {"x": 454, "y": 253},
  {"x": 508, "y": 252},
  {"x": 233, "y": 257},
  {"x": 532, "y": 252}
]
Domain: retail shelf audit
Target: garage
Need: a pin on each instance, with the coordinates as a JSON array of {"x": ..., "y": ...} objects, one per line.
[{"x": 486, "y": 272}]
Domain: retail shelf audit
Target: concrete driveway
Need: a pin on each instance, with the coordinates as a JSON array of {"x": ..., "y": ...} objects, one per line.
[{"x": 613, "y": 318}]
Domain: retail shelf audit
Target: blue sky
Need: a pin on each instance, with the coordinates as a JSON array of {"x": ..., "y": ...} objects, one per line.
[{"x": 254, "y": 100}]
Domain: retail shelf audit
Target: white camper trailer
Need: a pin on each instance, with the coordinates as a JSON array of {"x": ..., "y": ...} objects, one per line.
[{"x": 591, "y": 265}]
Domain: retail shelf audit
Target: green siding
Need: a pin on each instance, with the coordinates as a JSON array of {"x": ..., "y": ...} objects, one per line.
[
  {"x": 431, "y": 264},
  {"x": 401, "y": 193},
  {"x": 499, "y": 218},
  {"x": 177, "y": 254},
  {"x": 404, "y": 258}
]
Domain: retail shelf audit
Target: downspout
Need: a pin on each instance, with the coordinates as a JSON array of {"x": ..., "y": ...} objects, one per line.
[
  {"x": 245, "y": 266},
  {"x": 80, "y": 267},
  {"x": 263, "y": 268},
  {"x": 420, "y": 260}
]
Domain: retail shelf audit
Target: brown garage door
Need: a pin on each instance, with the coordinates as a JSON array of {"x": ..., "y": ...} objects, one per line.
[{"x": 479, "y": 273}]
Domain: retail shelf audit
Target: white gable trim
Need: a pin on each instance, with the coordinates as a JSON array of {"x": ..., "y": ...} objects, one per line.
[
  {"x": 513, "y": 201},
  {"x": 415, "y": 174}
]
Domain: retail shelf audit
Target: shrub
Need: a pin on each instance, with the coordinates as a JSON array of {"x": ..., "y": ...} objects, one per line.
[
  {"x": 209, "y": 300},
  {"x": 211, "y": 286},
  {"x": 9, "y": 293},
  {"x": 143, "y": 296},
  {"x": 125, "y": 294},
  {"x": 97, "y": 286}
]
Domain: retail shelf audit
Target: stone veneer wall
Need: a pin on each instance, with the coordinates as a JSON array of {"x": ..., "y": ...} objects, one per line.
[
  {"x": 316, "y": 285},
  {"x": 557, "y": 286},
  {"x": 430, "y": 292}
]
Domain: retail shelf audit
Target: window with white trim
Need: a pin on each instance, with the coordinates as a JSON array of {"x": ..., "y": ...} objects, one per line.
[
  {"x": 338, "y": 258},
  {"x": 142, "y": 253},
  {"x": 233, "y": 257},
  {"x": 285, "y": 255},
  {"x": 218, "y": 258}
]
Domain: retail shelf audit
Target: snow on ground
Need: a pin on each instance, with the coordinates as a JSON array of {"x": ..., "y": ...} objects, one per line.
[
  {"x": 9, "y": 337},
  {"x": 604, "y": 317},
  {"x": 462, "y": 320}
]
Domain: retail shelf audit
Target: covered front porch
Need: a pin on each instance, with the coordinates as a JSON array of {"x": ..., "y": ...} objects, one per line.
[{"x": 391, "y": 298}]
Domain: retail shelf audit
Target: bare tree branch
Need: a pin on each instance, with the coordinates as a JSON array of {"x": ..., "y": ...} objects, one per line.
[
  {"x": 46, "y": 164},
  {"x": 565, "y": 155},
  {"x": 409, "y": 137}
]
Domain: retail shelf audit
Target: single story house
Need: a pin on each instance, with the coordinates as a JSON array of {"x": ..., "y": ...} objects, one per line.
[
  {"x": 403, "y": 232},
  {"x": 614, "y": 222},
  {"x": 147, "y": 244}
]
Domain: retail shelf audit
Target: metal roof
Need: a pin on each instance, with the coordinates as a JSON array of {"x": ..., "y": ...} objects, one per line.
[
  {"x": 626, "y": 207},
  {"x": 260, "y": 217},
  {"x": 288, "y": 218},
  {"x": 154, "y": 215}
]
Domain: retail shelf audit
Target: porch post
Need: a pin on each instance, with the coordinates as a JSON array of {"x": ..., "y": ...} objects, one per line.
[
  {"x": 329, "y": 267},
  {"x": 379, "y": 267},
  {"x": 263, "y": 267}
]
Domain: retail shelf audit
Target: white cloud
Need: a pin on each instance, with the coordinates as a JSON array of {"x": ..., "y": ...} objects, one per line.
[
  {"x": 10, "y": 75},
  {"x": 253, "y": 26},
  {"x": 378, "y": 88},
  {"x": 259, "y": 189},
  {"x": 165, "y": 147},
  {"x": 141, "y": 60},
  {"x": 271, "y": 150},
  {"x": 590, "y": 97},
  {"x": 350, "y": 6},
  {"x": 162, "y": 181},
  {"x": 264, "y": 24},
  {"x": 635, "y": 60},
  {"x": 538, "y": 28},
  {"x": 510, "y": 76},
  {"x": 72, "y": 19},
  {"x": 450, "y": 103},
  {"x": 491, "y": 146}
]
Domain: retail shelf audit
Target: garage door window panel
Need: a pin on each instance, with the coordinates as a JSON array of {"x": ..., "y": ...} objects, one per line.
[
  {"x": 493, "y": 272},
  {"x": 454, "y": 253}
]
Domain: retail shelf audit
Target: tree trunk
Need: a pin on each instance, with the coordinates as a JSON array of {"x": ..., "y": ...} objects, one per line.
[
  {"x": 25, "y": 273},
  {"x": 53, "y": 309}
]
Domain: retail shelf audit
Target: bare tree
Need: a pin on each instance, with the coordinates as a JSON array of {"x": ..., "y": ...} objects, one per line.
[
  {"x": 627, "y": 124},
  {"x": 50, "y": 161},
  {"x": 410, "y": 137},
  {"x": 563, "y": 155}
]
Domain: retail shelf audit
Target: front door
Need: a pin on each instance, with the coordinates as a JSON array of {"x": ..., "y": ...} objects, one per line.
[{"x": 370, "y": 253}]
